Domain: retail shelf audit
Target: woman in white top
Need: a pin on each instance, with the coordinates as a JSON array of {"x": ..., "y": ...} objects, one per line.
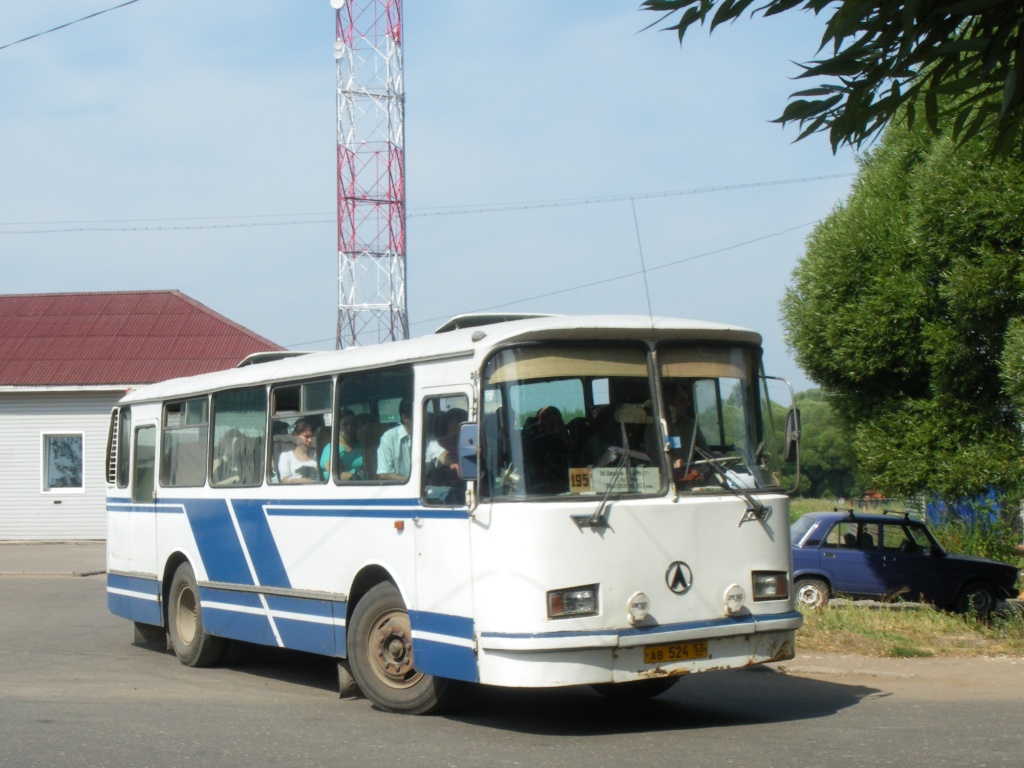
[{"x": 300, "y": 465}]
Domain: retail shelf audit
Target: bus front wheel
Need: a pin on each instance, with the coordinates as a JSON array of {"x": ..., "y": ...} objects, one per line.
[
  {"x": 380, "y": 653},
  {"x": 191, "y": 644}
]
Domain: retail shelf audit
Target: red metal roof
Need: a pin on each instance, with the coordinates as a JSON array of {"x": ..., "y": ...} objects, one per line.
[{"x": 120, "y": 338}]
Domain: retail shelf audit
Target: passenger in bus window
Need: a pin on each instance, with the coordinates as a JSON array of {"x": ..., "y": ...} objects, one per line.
[
  {"x": 685, "y": 437},
  {"x": 547, "y": 447},
  {"x": 350, "y": 450},
  {"x": 442, "y": 452},
  {"x": 299, "y": 465},
  {"x": 394, "y": 454},
  {"x": 607, "y": 433}
]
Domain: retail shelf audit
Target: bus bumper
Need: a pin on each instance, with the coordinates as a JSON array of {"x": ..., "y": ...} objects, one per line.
[{"x": 568, "y": 658}]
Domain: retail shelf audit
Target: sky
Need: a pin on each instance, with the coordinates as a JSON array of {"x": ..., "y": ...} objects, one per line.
[{"x": 180, "y": 144}]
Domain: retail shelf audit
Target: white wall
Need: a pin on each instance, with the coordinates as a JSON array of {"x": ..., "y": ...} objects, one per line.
[{"x": 27, "y": 512}]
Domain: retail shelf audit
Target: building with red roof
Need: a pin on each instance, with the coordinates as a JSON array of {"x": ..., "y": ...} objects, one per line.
[{"x": 65, "y": 359}]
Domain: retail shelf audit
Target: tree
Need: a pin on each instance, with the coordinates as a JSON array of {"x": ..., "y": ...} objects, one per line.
[
  {"x": 908, "y": 307},
  {"x": 827, "y": 459},
  {"x": 892, "y": 57}
]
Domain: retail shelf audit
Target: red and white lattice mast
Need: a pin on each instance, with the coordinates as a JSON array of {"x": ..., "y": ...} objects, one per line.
[{"x": 371, "y": 172}]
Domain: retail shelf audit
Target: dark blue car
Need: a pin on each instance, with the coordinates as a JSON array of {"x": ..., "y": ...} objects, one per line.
[{"x": 884, "y": 556}]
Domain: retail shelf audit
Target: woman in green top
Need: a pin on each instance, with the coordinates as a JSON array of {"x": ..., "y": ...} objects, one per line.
[{"x": 350, "y": 450}]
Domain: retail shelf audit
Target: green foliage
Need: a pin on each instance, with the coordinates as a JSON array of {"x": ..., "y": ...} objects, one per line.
[
  {"x": 955, "y": 59},
  {"x": 908, "y": 307},
  {"x": 996, "y": 538},
  {"x": 827, "y": 459}
]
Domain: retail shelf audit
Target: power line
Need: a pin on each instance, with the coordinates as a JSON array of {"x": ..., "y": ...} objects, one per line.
[
  {"x": 453, "y": 210},
  {"x": 626, "y": 275},
  {"x": 595, "y": 283},
  {"x": 63, "y": 26},
  {"x": 310, "y": 218}
]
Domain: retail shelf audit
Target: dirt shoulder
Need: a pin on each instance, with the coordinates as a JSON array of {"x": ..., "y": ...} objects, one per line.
[{"x": 948, "y": 677}]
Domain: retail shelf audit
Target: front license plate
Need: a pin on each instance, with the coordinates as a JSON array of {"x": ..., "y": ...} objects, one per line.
[{"x": 663, "y": 654}]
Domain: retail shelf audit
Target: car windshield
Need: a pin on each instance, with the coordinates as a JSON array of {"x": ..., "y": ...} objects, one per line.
[
  {"x": 800, "y": 529},
  {"x": 569, "y": 419}
]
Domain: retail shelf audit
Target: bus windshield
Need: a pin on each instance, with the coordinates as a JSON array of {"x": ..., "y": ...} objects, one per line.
[
  {"x": 569, "y": 419},
  {"x": 712, "y": 417}
]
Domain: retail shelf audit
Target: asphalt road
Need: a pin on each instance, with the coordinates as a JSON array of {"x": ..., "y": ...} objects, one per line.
[{"x": 74, "y": 691}]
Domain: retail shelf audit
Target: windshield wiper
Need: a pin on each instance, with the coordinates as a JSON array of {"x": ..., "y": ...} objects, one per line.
[
  {"x": 597, "y": 519},
  {"x": 755, "y": 509},
  {"x": 625, "y": 453}
]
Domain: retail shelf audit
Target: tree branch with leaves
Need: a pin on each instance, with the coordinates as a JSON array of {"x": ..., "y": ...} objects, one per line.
[{"x": 955, "y": 60}]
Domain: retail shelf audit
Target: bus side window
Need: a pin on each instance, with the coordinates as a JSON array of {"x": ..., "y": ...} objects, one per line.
[
  {"x": 184, "y": 443},
  {"x": 381, "y": 448},
  {"x": 442, "y": 417},
  {"x": 239, "y": 423},
  {"x": 144, "y": 462},
  {"x": 299, "y": 415}
]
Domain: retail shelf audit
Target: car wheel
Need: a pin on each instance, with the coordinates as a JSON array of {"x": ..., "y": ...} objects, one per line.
[
  {"x": 380, "y": 653},
  {"x": 977, "y": 598},
  {"x": 191, "y": 644},
  {"x": 812, "y": 594}
]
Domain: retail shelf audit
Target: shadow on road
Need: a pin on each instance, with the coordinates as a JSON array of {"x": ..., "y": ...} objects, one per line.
[{"x": 711, "y": 700}]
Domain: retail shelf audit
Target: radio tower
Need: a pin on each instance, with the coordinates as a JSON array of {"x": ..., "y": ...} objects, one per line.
[{"x": 371, "y": 172}]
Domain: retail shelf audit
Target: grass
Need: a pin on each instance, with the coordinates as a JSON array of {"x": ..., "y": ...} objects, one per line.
[
  {"x": 800, "y": 506},
  {"x": 910, "y": 631}
]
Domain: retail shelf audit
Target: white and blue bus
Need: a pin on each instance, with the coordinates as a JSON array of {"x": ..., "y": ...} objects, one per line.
[{"x": 525, "y": 501}]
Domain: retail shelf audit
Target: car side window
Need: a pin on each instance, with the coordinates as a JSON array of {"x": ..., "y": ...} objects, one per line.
[
  {"x": 852, "y": 535},
  {"x": 842, "y": 536},
  {"x": 867, "y": 536},
  {"x": 895, "y": 538},
  {"x": 919, "y": 536}
]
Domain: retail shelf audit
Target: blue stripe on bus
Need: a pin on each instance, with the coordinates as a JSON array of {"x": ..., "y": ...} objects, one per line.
[
  {"x": 222, "y": 552},
  {"x": 251, "y": 627},
  {"x": 303, "y": 624},
  {"x": 388, "y": 509},
  {"x": 434, "y": 656},
  {"x": 142, "y": 604},
  {"x": 442, "y": 624},
  {"x": 260, "y": 543},
  {"x": 310, "y": 627},
  {"x": 654, "y": 629},
  {"x": 219, "y": 546},
  {"x": 443, "y": 660}
]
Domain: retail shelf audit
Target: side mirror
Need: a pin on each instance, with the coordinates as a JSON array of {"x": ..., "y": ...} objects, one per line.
[
  {"x": 791, "y": 449},
  {"x": 469, "y": 434}
]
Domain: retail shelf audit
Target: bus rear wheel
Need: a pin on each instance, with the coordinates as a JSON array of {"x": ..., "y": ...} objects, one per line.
[
  {"x": 191, "y": 644},
  {"x": 380, "y": 653}
]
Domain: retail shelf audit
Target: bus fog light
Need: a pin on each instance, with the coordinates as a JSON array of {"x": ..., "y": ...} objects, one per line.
[
  {"x": 734, "y": 599},
  {"x": 638, "y": 607},
  {"x": 575, "y": 601},
  {"x": 771, "y": 585}
]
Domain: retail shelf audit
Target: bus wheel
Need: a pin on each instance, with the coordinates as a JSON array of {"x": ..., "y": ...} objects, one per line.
[
  {"x": 380, "y": 653},
  {"x": 191, "y": 644},
  {"x": 635, "y": 690}
]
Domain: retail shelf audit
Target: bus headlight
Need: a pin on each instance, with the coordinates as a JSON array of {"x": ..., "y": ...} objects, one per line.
[
  {"x": 574, "y": 601},
  {"x": 771, "y": 585}
]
